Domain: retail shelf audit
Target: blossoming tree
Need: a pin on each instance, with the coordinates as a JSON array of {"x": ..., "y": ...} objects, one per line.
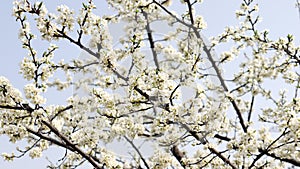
[{"x": 175, "y": 106}]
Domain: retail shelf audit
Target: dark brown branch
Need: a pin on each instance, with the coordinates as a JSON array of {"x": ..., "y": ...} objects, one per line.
[
  {"x": 40, "y": 135},
  {"x": 264, "y": 151},
  {"x": 222, "y": 137},
  {"x": 151, "y": 41},
  {"x": 220, "y": 77},
  {"x": 75, "y": 67},
  {"x": 197, "y": 60},
  {"x": 23, "y": 152},
  {"x": 171, "y": 96},
  {"x": 190, "y": 11},
  {"x": 11, "y": 107},
  {"x": 119, "y": 75},
  {"x": 226, "y": 160},
  {"x": 195, "y": 134},
  {"x": 81, "y": 25},
  {"x": 62, "y": 110},
  {"x": 178, "y": 154},
  {"x": 251, "y": 108},
  {"x": 142, "y": 93},
  {"x": 79, "y": 44},
  {"x": 73, "y": 146},
  {"x": 138, "y": 151},
  {"x": 273, "y": 155},
  {"x": 168, "y": 12},
  {"x": 23, "y": 106}
]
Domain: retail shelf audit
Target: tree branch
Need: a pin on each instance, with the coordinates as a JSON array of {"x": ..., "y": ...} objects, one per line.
[
  {"x": 222, "y": 157},
  {"x": 138, "y": 151},
  {"x": 60, "y": 111},
  {"x": 40, "y": 135},
  {"x": 73, "y": 146},
  {"x": 178, "y": 154},
  {"x": 190, "y": 9},
  {"x": 211, "y": 60},
  {"x": 171, "y": 96},
  {"x": 151, "y": 41},
  {"x": 273, "y": 155}
]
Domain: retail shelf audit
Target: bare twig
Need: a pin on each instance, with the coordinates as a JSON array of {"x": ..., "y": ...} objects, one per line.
[
  {"x": 138, "y": 151},
  {"x": 226, "y": 160},
  {"x": 171, "y": 96},
  {"x": 151, "y": 41}
]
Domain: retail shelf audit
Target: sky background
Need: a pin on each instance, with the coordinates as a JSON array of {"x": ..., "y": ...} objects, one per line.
[{"x": 279, "y": 16}]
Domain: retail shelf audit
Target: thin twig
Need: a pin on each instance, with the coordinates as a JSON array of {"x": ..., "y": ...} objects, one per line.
[
  {"x": 226, "y": 160},
  {"x": 151, "y": 41},
  {"x": 70, "y": 144},
  {"x": 138, "y": 151}
]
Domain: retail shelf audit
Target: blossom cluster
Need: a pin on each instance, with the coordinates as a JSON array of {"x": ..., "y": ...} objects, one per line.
[{"x": 170, "y": 98}]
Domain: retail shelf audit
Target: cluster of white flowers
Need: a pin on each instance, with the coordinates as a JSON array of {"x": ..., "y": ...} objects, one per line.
[
  {"x": 28, "y": 68},
  {"x": 45, "y": 22},
  {"x": 172, "y": 54},
  {"x": 35, "y": 152},
  {"x": 155, "y": 83},
  {"x": 8, "y": 157},
  {"x": 34, "y": 94},
  {"x": 169, "y": 96},
  {"x": 109, "y": 159},
  {"x": 65, "y": 17},
  {"x": 8, "y": 94},
  {"x": 200, "y": 23},
  {"x": 162, "y": 160},
  {"x": 24, "y": 32}
]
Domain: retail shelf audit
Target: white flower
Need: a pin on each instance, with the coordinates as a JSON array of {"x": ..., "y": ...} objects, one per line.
[
  {"x": 28, "y": 68},
  {"x": 58, "y": 123},
  {"x": 8, "y": 157},
  {"x": 65, "y": 17},
  {"x": 33, "y": 93},
  {"x": 35, "y": 152},
  {"x": 200, "y": 23}
]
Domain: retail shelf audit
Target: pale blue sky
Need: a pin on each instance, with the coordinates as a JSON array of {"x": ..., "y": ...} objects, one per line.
[{"x": 279, "y": 16}]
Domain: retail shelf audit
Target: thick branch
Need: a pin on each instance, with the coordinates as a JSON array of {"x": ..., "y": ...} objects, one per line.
[
  {"x": 220, "y": 77},
  {"x": 251, "y": 108},
  {"x": 151, "y": 41},
  {"x": 273, "y": 155},
  {"x": 73, "y": 146},
  {"x": 40, "y": 135},
  {"x": 11, "y": 107},
  {"x": 178, "y": 154},
  {"x": 78, "y": 43},
  {"x": 190, "y": 9},
  {"x": 21, "y": 107},
  {"x": 226, "y": 160},
  {"x": 224, "y": 138}
]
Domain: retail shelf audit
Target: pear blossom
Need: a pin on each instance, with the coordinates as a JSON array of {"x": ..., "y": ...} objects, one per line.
[{"x": 168, "y": 98}]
